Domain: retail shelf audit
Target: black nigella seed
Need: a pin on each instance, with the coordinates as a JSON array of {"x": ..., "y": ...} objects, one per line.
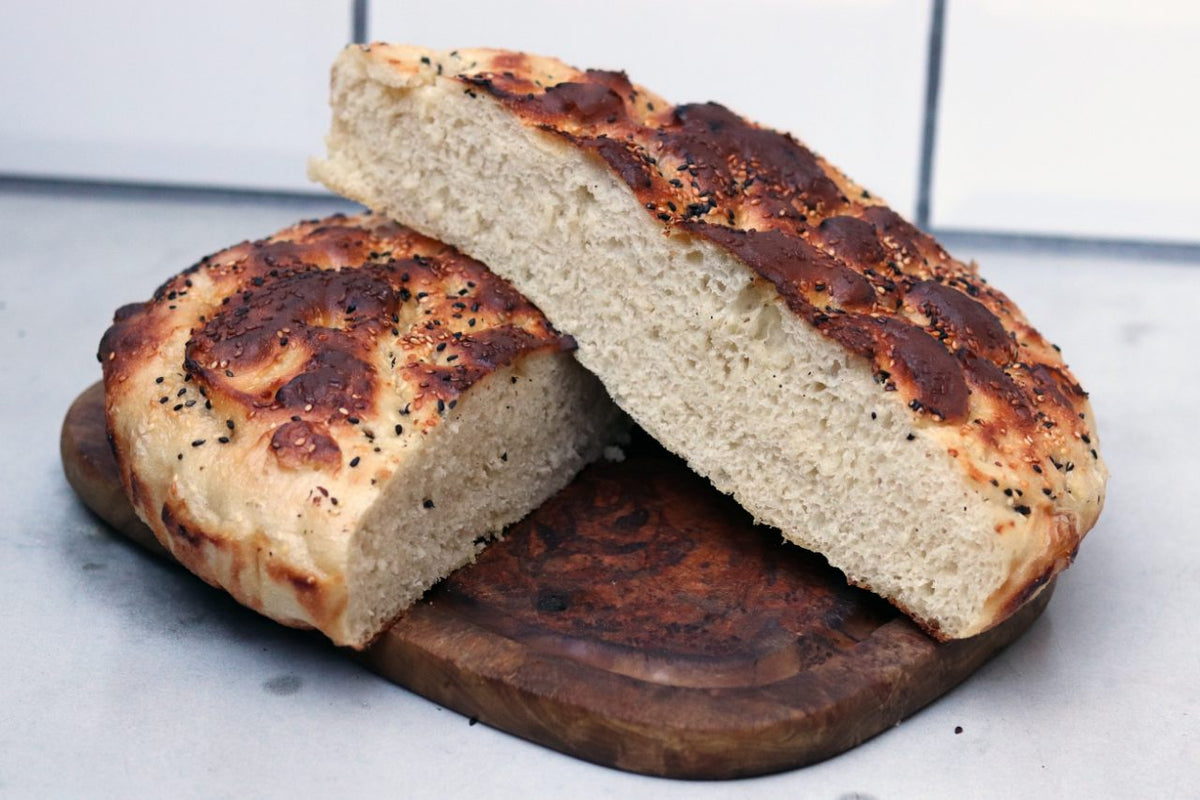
[
  {"x": 427, "y": 503},
  {"x": 354, "y": 461}
]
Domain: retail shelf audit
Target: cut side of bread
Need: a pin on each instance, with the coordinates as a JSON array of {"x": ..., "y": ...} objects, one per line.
[
  {"x": 328, "y": 421},
  {"x": 801, "y": 345}
]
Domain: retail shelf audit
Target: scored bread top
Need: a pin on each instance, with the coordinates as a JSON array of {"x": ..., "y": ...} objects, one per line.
[
  {"x": 263, "y": 393},
  {"x": 975, "y": 374}
]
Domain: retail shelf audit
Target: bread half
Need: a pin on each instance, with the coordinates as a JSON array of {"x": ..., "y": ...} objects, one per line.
[
  {"x": 800, "y": 344},
  {"x": 327, "y": 421}
]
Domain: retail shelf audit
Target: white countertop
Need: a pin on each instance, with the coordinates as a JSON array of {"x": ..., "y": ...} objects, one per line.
[{"x": 121, "y": 676}]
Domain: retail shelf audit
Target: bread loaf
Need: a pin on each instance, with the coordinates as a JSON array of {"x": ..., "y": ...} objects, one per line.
[
  {"x": 328, "y": 421},
  {"x": 801, "y": 345}
]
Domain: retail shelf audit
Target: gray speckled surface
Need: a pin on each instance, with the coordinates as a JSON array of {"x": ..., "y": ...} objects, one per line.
[{"x": 123, "y": 676}]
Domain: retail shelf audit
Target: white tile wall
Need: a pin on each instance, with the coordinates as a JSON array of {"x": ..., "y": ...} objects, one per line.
[
  {"x": 1075, "y": 118},
  {"x": 224, "y": 92},
  {"x": 847, "y": 77}
]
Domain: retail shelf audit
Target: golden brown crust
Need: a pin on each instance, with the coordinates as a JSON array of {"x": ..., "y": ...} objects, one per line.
[
  {"x": 281, "y": 363},
  {"x": 307, "y": 323},
  {"x": 976, "y": 375}
]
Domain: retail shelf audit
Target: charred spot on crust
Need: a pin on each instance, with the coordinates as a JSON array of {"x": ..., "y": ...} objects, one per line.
[
  {"x": 798, "y": 270},
  {"x": 933, "y": 379},
  {"x": 965, "y": 320},
  {"x": 586, "y": 103},
  {"x": 305, "y": 445},
  {"x": 851, "y": 239},
  {"x": 178, "y": 530}
]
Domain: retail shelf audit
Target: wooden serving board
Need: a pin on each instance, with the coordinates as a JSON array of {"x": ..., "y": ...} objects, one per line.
[{"x": 641, "y": 621}]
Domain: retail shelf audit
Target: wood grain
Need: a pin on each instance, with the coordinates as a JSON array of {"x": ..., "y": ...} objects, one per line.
[{"x": 641, "y": 621}]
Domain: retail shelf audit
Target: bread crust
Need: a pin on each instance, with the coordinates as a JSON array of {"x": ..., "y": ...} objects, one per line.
[
  {"x": 260, "y": 400},
  {"x": 975, "y": 376}
]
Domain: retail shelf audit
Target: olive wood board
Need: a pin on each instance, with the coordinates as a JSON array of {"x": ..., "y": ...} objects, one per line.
[{"x": 640, "y": 620}]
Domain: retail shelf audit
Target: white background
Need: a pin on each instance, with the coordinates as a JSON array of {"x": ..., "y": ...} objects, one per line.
[{"x": 1073, "y": 118}]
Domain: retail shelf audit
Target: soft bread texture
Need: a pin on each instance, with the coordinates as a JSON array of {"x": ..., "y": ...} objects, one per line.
[
  {"x": 328, "y": 421},
  {"x": 801, "y": 345}
]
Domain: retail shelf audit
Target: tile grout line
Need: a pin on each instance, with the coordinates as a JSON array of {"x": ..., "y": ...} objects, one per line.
[
  {"x": 76, "y": 187},
  {"x": 1148, "y": 249},
  {"x": 933, "y": 81},
  {"x": 12, "y": 183},
  {"x": 359, "y": 13}
]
